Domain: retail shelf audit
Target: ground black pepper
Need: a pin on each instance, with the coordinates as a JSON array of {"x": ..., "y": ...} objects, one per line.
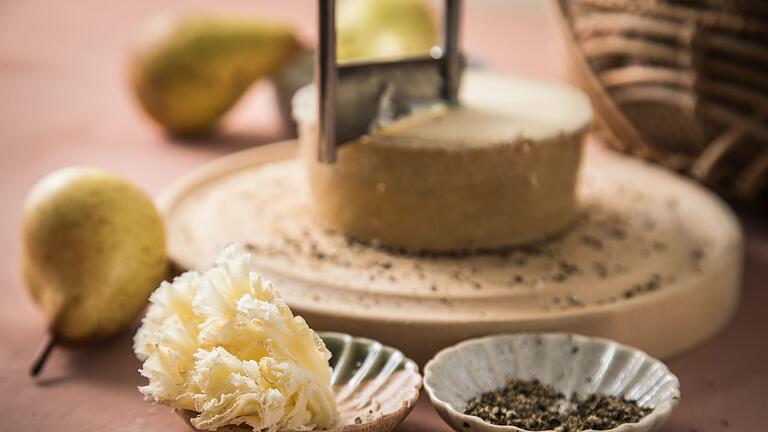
[{"x": 534, "y": 406}]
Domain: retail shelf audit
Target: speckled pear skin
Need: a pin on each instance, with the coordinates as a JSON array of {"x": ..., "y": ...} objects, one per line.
[
  {"x": 372, "y": 382},
  {"x": 93, "y": 249}
]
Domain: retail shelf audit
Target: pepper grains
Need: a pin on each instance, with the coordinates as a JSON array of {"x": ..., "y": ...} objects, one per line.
[{"x": 534, "y": 406}]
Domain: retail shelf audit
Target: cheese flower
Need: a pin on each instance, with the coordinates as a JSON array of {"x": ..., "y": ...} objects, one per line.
[{"x": 225, "y": 345}]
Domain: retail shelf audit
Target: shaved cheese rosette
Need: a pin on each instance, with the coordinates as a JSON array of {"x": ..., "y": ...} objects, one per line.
[{"x": 225, "y": 345}]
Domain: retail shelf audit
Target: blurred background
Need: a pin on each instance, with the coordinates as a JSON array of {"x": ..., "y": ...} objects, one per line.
[{"x": 64, "y": 77}]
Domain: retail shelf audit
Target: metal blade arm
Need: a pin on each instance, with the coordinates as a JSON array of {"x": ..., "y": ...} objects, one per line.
[{"x": 327, "y": 71}]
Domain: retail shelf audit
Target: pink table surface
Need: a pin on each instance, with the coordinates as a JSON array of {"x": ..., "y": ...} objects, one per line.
[{"x": 63, "y": 101}]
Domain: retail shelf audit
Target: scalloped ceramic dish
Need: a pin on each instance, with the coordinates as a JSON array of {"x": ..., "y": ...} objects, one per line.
[
  {"x": 570, "y": 363},
  {"x": 376, "y": 386}
]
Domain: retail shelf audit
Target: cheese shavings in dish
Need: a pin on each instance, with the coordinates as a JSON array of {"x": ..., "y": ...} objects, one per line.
[{"x": 225, "y": 345}]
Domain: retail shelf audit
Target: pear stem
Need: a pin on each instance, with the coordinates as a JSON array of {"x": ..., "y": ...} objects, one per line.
[{"x": 43, "y": 351}]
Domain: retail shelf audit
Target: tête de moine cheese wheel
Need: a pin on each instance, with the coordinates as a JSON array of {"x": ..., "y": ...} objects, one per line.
[{"x": 499, "y": 170}]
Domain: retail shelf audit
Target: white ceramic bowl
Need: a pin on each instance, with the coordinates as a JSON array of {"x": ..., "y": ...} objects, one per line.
[{"x": 570, "y": 363}]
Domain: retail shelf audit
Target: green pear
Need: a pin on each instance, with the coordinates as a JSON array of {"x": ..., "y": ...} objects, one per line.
[
  {"x": 93, "y": 249},
  {"x": 384, "y": 28},
  {"x": 188, "y": 71}
]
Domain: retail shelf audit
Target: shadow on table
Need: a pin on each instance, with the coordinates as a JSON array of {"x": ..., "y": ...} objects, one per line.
[
  {"x": 110, "y": 364},
  {"x": 222, "y": 143}
]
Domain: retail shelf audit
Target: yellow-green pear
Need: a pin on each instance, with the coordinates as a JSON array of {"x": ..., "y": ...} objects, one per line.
[
  {"x": 370, "y": 29},
  {"x": 188, "y": 71},
  {"x": 93, "y": 249}
]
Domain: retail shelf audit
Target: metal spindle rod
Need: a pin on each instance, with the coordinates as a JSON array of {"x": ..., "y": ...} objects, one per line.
[
  {"x": 326, "y": 76},
  {"x": 451, "y": 67}
]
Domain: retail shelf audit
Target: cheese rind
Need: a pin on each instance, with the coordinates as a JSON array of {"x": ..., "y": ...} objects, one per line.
[{"x": 498, "y": 171}]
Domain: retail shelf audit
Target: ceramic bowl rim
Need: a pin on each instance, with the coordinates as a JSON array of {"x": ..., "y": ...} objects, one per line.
[
  {"x": 406, "y": 405},
  {"x": 658, "y": 412},
  {"x": 408, "y": 361}
]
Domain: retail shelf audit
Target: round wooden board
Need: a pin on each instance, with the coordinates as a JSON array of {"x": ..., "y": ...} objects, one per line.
[{"x": 654, "y": 260}]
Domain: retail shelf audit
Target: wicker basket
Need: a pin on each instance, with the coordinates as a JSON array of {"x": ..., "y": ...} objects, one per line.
[{"x": 683, "y": 83}]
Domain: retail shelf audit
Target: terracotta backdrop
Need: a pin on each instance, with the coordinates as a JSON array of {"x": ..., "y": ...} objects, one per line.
[{"x": 63, "y": 101}]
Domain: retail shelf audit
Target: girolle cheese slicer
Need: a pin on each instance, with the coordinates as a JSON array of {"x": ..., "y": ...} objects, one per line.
[{"x": 355, "y": 97}]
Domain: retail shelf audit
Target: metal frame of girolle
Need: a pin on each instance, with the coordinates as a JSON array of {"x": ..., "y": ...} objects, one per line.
[{"x": 349, "y": 95}]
